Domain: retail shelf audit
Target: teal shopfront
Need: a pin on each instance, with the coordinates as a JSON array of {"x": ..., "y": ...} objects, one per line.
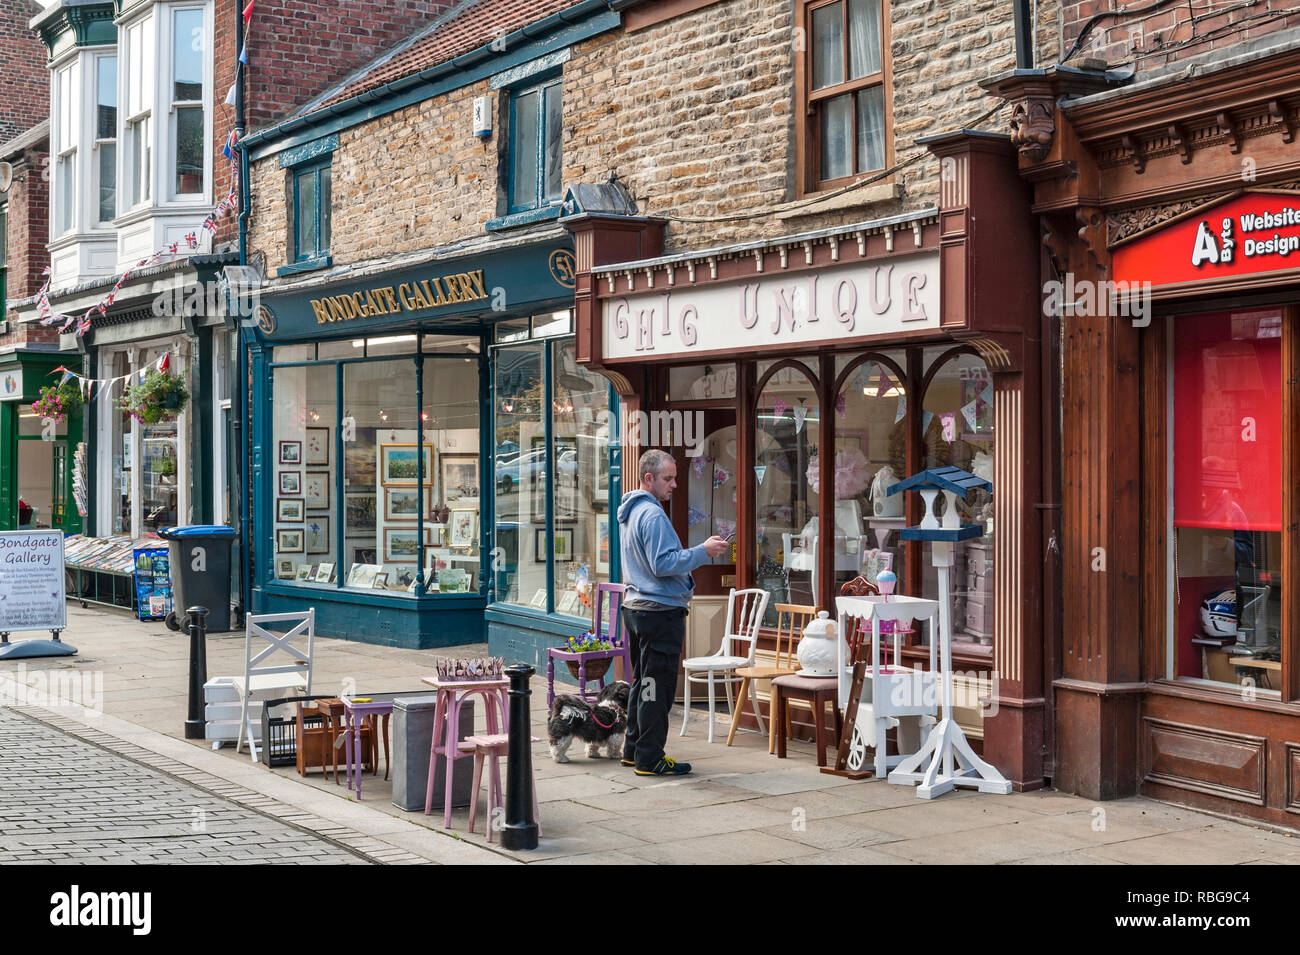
[{"x": 429, "y": 464}]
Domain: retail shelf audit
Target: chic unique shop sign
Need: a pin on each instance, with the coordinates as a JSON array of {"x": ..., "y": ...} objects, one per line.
[
  {"x": 782, "y": 309},
  {"x": 31, "y": 581},
  {"x": 1248, "y": 234}
]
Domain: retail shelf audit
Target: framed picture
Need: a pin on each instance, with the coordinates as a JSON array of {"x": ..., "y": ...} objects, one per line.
[
  {"x": 305, "y": 571},
  {"x": 291, "y": 452},
  {"x": 602, "y": 543},
  {"x": 359, "y": 513},
  {"x": 288, "y": 510},
  {"x": 539, "y": 599},
  {"x": 289, "y": 542},
  {"x": 285, "y": 568},
  {"x": 593, "y": 462},
  {"x": 318, "y": 534},
  {"x": 398, "y": 464},
  {"x": 318, "y": 447},
  {"x": 561, "y": 543},
  {"x": 359, "y": 460},
  {"x": 381, "y": 581},
  {"x": 290, "y": 482},
  {"x": 363, "y": 575},
  {"x": 436, "y": 559},
  {"x": 316, "y": 490},
  {"x": 401, "y": 544},
  {"x": 364, "y": 555},
  {"x": 464, "y": 528},
  {"x": 569, "y": 603},
  {"x": 454, "y": 581},
  {"x": 459, "y": 477},
  {"x": 324, "y": 572},
  {"x": 401, "y": 503}
]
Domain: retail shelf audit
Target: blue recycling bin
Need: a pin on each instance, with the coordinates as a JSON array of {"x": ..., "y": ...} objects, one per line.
[{"x": 200, "y": 565}]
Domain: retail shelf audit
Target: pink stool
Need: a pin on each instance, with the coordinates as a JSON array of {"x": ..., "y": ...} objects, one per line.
[
  {"x": 446, "y": 727},
  {"x": 492, "y": 747}
]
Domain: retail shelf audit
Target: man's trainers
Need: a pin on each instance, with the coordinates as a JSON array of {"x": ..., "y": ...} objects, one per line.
[
  {"x": 667, "y": 766},
  {"x": 628, "y": 762}
]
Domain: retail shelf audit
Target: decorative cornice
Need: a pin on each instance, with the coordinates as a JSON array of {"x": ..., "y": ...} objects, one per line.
[{"x": 91, "y": 24}]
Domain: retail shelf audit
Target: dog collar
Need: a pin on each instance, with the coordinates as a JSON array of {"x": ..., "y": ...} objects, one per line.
[{"x": 605, "y": 726}]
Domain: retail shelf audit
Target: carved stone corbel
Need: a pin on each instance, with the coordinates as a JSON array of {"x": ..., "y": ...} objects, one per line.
[
  {"x": 1228, "y": 128},
  {"x": 1279, "y": 115},
  {"x": 1135, "y": 153},
  {"x": 1092, "y": 234}
]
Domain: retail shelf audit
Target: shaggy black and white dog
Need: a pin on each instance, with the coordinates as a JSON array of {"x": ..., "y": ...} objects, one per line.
[{"x": 598, "y": 724}]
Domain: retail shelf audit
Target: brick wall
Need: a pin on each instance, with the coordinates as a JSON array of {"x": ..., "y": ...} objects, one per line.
[
  {"x": 1169, "y": 34},
  {"x": 694, "y": 115},
  {"x": 28, "y": 207},
  {"x": 24, "y": 77},
  {"x": 297, "y": 49}
]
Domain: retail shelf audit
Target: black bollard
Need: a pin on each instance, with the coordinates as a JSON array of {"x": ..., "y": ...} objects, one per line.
[
  {"x": 520, "y": 830},
  {"x": 195, "y": 723}
]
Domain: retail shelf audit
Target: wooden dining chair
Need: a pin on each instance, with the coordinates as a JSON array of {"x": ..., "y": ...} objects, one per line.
[{"x": 790, "y": 622}]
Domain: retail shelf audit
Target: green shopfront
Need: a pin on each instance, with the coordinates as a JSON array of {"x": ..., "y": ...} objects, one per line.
[{"x": 429, "y": 464}]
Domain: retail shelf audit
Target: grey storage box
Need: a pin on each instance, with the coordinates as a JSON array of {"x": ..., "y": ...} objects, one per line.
[{"x": 412, "y": 737}]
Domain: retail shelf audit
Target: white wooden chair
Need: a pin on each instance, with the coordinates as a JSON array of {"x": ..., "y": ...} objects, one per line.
[
  {"x": 267, "y": 681},
  {"x": 745, "y": 610}
]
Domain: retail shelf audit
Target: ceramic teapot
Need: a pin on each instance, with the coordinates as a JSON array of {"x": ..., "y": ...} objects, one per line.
[{"x": 817, "y": 650}]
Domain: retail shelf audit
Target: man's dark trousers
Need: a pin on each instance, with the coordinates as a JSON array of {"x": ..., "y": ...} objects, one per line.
[{"x": 655, "y": 640}]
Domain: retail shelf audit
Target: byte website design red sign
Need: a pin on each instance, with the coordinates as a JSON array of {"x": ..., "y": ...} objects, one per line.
[{"x": 1252, "y": 233}]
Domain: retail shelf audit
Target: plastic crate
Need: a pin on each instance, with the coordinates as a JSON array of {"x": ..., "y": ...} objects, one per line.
[{"x": 280, "y": 734}]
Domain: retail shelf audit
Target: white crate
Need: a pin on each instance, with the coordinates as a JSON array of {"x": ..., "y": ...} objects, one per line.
[
  {"x": 231, "y": 711},
  {"x": 229, "y": 729},
  {"x": 220, "y": 689}
]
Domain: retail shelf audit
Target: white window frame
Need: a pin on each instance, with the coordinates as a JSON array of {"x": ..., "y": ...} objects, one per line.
[
  {"x": 65, "y": 129},
  {"x": 99, "y": 143},
  {"x": 137, "y": 93},
  {"x": 166, "y": 49}
]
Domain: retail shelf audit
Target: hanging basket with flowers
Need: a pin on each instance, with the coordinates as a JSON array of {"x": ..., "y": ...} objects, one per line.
[
  {"x": 160, "y": 397},
  {"x": 57, "y": 402}
]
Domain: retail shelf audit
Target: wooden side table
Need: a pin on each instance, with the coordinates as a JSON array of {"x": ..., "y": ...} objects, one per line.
[{"x": 817, "y": 692}]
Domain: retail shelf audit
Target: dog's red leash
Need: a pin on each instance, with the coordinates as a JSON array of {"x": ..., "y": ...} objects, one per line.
[{"x": 603, "y": 725}]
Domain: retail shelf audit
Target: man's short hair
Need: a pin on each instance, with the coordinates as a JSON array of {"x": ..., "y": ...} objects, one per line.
[{"x": 652, "y": 462}]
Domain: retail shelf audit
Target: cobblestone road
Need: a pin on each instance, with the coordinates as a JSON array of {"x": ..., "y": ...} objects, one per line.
[{"x": 65, "y": 800}]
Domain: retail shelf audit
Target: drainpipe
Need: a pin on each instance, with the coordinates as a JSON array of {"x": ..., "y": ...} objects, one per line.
[
  {"x": 241, "y": 362},
  {"x": 1024, "y": 36}
]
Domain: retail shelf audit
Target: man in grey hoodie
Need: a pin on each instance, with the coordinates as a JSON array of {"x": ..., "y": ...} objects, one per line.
[{"x": 657, "y": 572}]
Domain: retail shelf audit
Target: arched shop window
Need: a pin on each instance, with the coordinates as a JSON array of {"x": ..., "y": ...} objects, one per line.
[
  {"x": 870, "y": 428},
  {"x": 957, "y": 430},
  {"x": 786, "y": 459}
]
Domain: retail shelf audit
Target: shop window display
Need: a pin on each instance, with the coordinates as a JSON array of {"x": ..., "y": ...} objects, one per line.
[
  {"x": 1226, "y": 472},
  {"x": 368, "y": 488},
  {"x": 785, "y": 516},
  {"x": 870, "y": 429},
  {"x": 957, "y": 430},
  {"x": 539, "y": 384}
]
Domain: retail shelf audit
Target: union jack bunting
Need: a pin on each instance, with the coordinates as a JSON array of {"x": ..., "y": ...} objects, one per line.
[{"x": 192, "y": 240}]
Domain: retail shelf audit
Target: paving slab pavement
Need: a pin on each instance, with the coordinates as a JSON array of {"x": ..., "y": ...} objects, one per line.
[{"x": 740, "y": 806}]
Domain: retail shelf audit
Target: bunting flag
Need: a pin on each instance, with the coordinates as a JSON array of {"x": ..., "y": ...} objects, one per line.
[
  {"x": 799, "y": 415},
  {"x": 840, "y": 405},
  {"x": 779, "y": 407},
  {"x": 243, "y": 53},
  {"x": 759, "y": 471},
  {"x": 902, "y": 409},
  {"x": 697, "y": 466},
  {"x": 969, "y": 411},
  {"x": 885, "y": 382},
  {"x": 949, "y": 422},
  {"x": 720, "y": 477},
  {"x": 986, "y": 395},
  {"x": 694, "y": 515},
  {"x": 248, "y": 12},
  {"x": 926, "y": 418}
]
